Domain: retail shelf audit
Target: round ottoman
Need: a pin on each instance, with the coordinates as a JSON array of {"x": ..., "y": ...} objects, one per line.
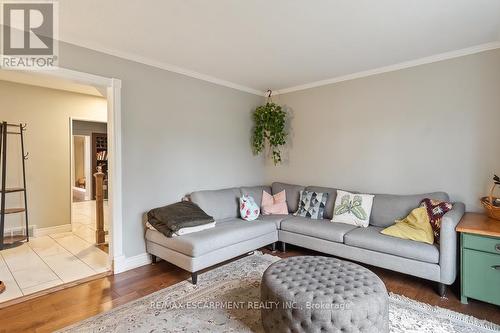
[{"x": 321, "y": 294}]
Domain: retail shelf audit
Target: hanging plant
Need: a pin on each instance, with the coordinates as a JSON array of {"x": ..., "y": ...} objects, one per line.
[{"x": 269, "y": 127}]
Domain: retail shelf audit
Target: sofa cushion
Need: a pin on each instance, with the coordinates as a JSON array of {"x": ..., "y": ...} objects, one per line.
[
  {"x": 330, "y": 203},
  {"x": 274, "y": 204},
  {"x": 255, "y": 192},
  {"x": 225, "y": 233},
  {"x": 249, "y": 209},
  {"x": 415, "y": 226},
  {"x": 353, "y": 208},
  {"x": 370, "y": 238},
  {"x": 323, "y": 229},
  {"x": 387, "y": 208},
  {"x": 292, "y": 194},
  {"x": 220, "y": 204},
  {"x": 276, "y": 219},
  {"x": 435, "y": 211},
  {"x": 312, "y": 205}
]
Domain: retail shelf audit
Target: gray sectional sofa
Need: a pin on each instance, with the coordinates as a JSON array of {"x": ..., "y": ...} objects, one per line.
[{"x": 233, "y": 236}]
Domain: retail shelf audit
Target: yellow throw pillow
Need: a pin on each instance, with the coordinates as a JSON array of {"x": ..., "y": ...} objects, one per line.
[{"x": 415, "y": 226}]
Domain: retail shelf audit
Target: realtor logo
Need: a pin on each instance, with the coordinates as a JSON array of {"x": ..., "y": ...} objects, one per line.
[{"x": 29, "y": 35}]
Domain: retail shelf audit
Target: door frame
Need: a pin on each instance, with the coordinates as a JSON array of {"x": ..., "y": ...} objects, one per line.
[{"x": 112, "y": 89}]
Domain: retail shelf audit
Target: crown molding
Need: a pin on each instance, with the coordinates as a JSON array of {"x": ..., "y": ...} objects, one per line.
[
  {"x": 392, "y": 68},
  {"x": 228, "y": 84},
  {"x": 165, "y": 66}
]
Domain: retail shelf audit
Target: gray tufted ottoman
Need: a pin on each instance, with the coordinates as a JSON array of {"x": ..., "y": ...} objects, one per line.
[{"x": 321, "y": 294}]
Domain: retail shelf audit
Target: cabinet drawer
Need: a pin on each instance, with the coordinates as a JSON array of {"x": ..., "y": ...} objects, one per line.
[
  {"x": 482, "y": 243},
  {"x": 481, "y": 275}
]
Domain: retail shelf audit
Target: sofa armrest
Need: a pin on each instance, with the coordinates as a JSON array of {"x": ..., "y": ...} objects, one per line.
[{"x": 448, "y": 241}]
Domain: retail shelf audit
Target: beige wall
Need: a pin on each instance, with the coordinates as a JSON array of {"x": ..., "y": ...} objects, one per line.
[
  {"x": 47, "y": 113},
  {"x": 426, "y": 128}
]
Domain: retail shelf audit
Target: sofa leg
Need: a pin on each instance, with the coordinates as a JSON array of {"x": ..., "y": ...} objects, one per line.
[
  {"x": 194, "y": 278},
  {"x": 154, "y": 259},
  {"x": 283, "y": 247},
  {"x": 273, "y": 247},
  {"x": 442, "y": 289}
]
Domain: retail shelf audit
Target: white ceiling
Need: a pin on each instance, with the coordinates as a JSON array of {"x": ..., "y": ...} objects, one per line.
[{"x": 278, "y": 44}]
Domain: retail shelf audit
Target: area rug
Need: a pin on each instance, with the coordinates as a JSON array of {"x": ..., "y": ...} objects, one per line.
[{"x": 214, "y": 306}]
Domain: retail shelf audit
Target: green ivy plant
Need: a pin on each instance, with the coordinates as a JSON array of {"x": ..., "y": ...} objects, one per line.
[{"x": 269, "y": 127}]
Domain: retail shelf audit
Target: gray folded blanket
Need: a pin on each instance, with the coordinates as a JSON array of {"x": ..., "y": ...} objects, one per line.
[{"x": 169, "y": 219}]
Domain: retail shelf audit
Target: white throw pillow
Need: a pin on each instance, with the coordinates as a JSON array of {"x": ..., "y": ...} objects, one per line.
[
  {"x": 249, "y": 210},
  {"x": 353, "y": 208}
]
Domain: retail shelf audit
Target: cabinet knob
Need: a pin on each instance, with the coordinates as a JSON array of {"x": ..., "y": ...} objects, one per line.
[
  {"x": 497, "y": 267},
  {"x": 497, "y": 247}
]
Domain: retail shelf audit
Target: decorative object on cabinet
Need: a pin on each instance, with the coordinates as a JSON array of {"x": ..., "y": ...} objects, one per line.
[{"x": 490, "y": 203}]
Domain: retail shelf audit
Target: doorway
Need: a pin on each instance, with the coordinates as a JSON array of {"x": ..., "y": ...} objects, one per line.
[
  {"x": 89, "y": 155},
  {"x": 50, "y": 259}
]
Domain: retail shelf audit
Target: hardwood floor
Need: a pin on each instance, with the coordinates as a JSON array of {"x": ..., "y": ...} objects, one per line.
[{"x": 65, "y": 307}]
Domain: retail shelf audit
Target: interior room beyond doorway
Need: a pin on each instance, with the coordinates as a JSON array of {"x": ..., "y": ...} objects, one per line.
[{"x": 90, "y": 154}]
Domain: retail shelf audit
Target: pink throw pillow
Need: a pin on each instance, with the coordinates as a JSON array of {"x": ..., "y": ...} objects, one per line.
[{"x": 274, "y": 204}]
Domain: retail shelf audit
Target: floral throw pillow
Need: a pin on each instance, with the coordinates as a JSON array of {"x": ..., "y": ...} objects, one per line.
[
  {"x": 353, "y": 208},
  {"x": 312, "y": 204},
  {"x": 249, "y": 210},
  {"x": 435, "y": 210}
]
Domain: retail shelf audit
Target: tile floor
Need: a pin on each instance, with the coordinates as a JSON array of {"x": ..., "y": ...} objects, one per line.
[
  {"x": 48, "y": 261},
  {"x": 83, "y": 219}
]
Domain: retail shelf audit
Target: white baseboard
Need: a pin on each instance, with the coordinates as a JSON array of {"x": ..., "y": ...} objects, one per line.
[
  {"x": 123, "y": 264},
  {"x": 10, "y": 231},
  {"x": 52, "y": 230}
]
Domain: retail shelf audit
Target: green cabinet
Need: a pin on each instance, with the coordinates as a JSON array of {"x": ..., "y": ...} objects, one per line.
[{"x": 480, "y": 263}]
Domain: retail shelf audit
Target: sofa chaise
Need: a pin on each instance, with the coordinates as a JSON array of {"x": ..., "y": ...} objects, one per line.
[{"x": 233, "y": 236}]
